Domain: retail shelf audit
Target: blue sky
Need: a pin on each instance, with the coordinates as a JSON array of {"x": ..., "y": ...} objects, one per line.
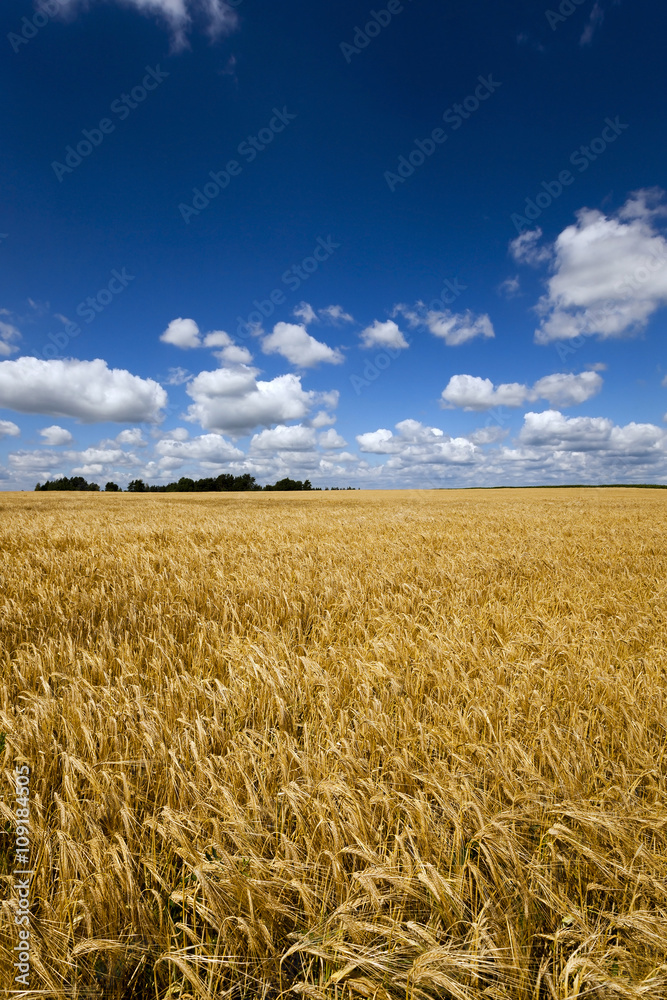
[{"x": 384, "y": 246}]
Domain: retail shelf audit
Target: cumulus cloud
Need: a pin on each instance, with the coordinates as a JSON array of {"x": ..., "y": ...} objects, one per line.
[
  {"x": 231, "y": 400},
  {"x": 217, "y": 338},
  {"x": 525, "y": 250},
  {"x": 182, "y": 333},
  {"x": 8, "y": 429},
  {"x": 8, "y": 334},
  {"x": 567, "y": 390},
  {"x": 55, "y": 435},
  {"x": 282, "y": 438},
  {"x": 473, "y": 393},
  {"x": 593, "y": 434},
  {"x": 454, "y": 328},
  {"x": 131, "y": 436},
  {"x": 216, "y": 16},
  {"x": 209, "y": 450},
  {"x": 331, "y": 439},
  {"x": 293, "y": 342},
  {"x": 234, "y": 355},
  {"x": 322, "y": 419},
  {"x": 86, "y": 390},
  {"x": 385, "y": 334},
  {"x": 305, "y": 312},
  {"x": 415, "y": 444},
  {"x": 609, "y": 273}
]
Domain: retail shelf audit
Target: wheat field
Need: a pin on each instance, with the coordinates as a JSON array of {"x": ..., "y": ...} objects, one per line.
[{"x": 338, "y": 745}]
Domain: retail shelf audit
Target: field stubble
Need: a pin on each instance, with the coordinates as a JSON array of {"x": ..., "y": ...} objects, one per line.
[{"x": 383, "y": 745}]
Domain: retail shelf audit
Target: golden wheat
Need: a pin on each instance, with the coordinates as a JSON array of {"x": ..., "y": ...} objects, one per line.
[{"x": 338, "y": 745}]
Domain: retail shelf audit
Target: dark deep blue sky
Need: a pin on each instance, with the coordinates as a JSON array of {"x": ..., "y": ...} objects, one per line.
[{"x": 572, "y": 392}]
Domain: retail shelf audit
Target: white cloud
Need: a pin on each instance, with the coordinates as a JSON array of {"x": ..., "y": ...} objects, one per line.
[
  {"x": 282, "y": 438},
  {"x": 176, "y": 434},
  {"x": 488, "y": 435},
  {"x": 331, "y": 439},
  {"x": 131, "y": 436},
  {"x": 182, "y": 333},
  {"x": 458, "y": 328},
  {"x": 305, "y": 313},
  {"x": 233, "y": 401},
  {"x": 525, "y": 250},
  {"x": 55, "y": 435},
  {"x": 385, "y": 334},
  {"x": 593, "y": 434},
  {"x": 294, "y": 342},
  {"x": 597, "y": 366},
  {"x": 87, "y": 390},
  {"x": 567, "y": 390},
  {"x": 8, "y": 333},
  {"x": 609, "y": 273},
  {"x": 217, "y": 16},
  {"x": 336, "y": 314},
  {"x": 177, "y": 376},
  {"x": 35, "y": 463},
  {"x": 234, "y": 355},
  {"x": 473, "y": 393},
  {"x": 8, "y": 429},
  {"x": 415, "y": 444},
  {"x": 322, "y": 419},
  {"x": 217, "y": 338},
  {"x": 594, "y": 21},
  {"x": 510, "y": 287},
  {"x": 208, "y": 449}
]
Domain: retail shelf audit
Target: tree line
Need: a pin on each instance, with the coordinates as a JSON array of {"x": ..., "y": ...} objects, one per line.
[{"x": 225, "y": 483}]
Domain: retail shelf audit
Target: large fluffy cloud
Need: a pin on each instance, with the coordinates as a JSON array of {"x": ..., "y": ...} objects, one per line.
[
  {"x": 211, "y": 450},
  {"x": 282, "y": 438},
  {"x": 609, "y": 273},
  {"x": 593, "y": 434},
  {"x": 473, "y": 393},
  {"x": 86, "y": 390},
  {"x": 233, "y": 401},
  {"x": 293, "y": 342},
  {"x": 415, "y": 444}
]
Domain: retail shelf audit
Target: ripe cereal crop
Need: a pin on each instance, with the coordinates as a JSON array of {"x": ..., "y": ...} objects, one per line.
[{"x": 379, "y": 745}]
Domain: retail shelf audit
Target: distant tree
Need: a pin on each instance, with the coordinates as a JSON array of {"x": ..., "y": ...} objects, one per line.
[
  {"x": 112, "y": 488},
  {"x": 291, "y": 485},
  {"x": 137, "y": 486}
]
